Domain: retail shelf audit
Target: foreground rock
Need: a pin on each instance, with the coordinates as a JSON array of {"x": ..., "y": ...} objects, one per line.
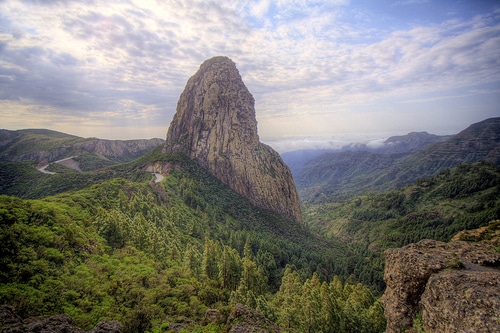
[
  {"x": 10, "y": 322},
  {"x": 454, "y": 286},
  {"x": 215, "y": 125},
  {"x": 246, "y": 320}
]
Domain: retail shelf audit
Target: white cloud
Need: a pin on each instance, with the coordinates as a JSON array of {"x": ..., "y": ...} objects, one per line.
[
  {"x": 260, "y": 8},
  {"x": 307, "y": 64}
]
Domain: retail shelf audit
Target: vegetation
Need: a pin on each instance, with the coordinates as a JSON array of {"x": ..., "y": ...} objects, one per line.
[
  {"x": 153, "y": 254},
  {"x": 91, "y": 161},
  {"x": 327, "y": 307},
  {"x": 111, "y": 244},
  {"x": 29, "y": 141},
  {"x": 462, "y": 198}
]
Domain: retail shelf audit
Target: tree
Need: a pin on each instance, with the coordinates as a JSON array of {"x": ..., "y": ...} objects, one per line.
[
  {"x": 312, "y": 306},
  {"x": 287, "y": 300},
  {"x": 211, "y": 257},
  {"x": 192, "y": 261},
  {"x": 230, "y": 268}
]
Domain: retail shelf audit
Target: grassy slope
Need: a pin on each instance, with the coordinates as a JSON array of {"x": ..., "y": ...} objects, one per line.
[{"x": 31, "y": 140}]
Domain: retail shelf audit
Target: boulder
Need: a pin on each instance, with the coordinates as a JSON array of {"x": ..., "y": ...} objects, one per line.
[
  {"x": 455, "y": 287},
  {"x": 246, "y": 320}
]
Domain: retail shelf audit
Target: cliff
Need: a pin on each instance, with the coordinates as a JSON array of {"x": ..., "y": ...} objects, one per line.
[
  {"x": 215, "y": 125},
  {"x": 444, "y": 287}
]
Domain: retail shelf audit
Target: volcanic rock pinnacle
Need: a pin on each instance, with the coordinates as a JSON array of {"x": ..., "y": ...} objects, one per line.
[{"x": 215, "y": 125}]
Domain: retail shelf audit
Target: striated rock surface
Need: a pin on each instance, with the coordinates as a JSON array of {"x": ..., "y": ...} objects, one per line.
[
  {"x": 455, "y": 286},
  {"x": 215, "y": 125},
  {"x": 125, "y": 150}
]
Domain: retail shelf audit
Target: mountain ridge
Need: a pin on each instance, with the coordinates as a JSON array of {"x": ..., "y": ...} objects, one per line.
[
  {"x": 394, "y": 144},
  {"x": 46, "y": 146},
  {"x": 342, "y": 175}
]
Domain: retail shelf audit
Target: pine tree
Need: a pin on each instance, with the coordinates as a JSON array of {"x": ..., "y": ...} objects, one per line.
[
  {"x": 230, "y": 268},
  {"x": 287, "y": 300},
  {"x": 211, "y": 258},
  {"x": 312, "y": 305}
]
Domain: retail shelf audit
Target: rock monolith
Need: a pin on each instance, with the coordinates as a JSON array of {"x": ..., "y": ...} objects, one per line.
[{"x": 215, "y": 125}]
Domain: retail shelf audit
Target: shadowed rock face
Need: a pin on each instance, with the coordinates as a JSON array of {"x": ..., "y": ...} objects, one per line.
[{"x": 215, "y": 125}]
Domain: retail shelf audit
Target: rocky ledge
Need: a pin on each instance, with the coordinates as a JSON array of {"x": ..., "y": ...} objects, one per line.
[{"x": 443, "y": 287}]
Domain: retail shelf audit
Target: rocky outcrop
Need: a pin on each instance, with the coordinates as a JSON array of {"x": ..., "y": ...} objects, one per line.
[
  {"x": 122, "y": 150},
  {"x": 246, "y": 320},
  {"x": 162, "y": 168},
  {"x": 215, "y": 125},
  {"x": 10, "y": 322},
  {"x": 454, "y": 286}
]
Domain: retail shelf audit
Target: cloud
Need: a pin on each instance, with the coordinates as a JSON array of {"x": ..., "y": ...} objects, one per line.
[
  {"x": 423, "y": 59},
  {"x": 305, "y": 60},
  {"x": 409, "y": 2},
  {"x": 260, "y": 8}
]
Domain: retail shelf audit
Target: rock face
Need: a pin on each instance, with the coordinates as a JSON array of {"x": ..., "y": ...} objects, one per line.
[
  {"x": 215, "y": 125},
  {"x": 455, "y": 286}
]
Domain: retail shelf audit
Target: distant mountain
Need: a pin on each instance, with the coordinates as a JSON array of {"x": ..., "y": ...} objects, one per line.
[
  {"x": 338, "y": 176},
  {"x": 395, "y": 144},
  {"x": 46, "y": 146},
  {"x": 408, "y": 142}
]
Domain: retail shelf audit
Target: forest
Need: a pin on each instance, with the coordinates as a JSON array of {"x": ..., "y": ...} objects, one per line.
[
  {"x": 437, "y": 208},
  {"x": 152, "y": 254}
]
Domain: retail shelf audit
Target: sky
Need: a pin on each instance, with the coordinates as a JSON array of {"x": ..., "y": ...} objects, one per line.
[{"x": 322, "y": 73}]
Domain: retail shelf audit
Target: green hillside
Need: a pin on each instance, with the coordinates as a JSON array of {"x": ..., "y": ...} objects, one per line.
[
  {"x": 109, "y": 243},
  {"x": 27, "y": 142},
  {"x": 465, "y": 197},
  {"x": 23, "y": 180},
  {"x": 46, "y": 146},
  {"x": 151, "y": 254}
]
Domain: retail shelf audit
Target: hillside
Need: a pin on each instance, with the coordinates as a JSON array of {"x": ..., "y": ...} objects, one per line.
[
  {"x": 339, "y": 176},
  {"x": 113, "y": 244},
  {"x": 22, "y": 179},
  {"x": 465, "y": 197},
  {"x": 46, "y": 146},
  {"x": 153, "y": 254}
]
